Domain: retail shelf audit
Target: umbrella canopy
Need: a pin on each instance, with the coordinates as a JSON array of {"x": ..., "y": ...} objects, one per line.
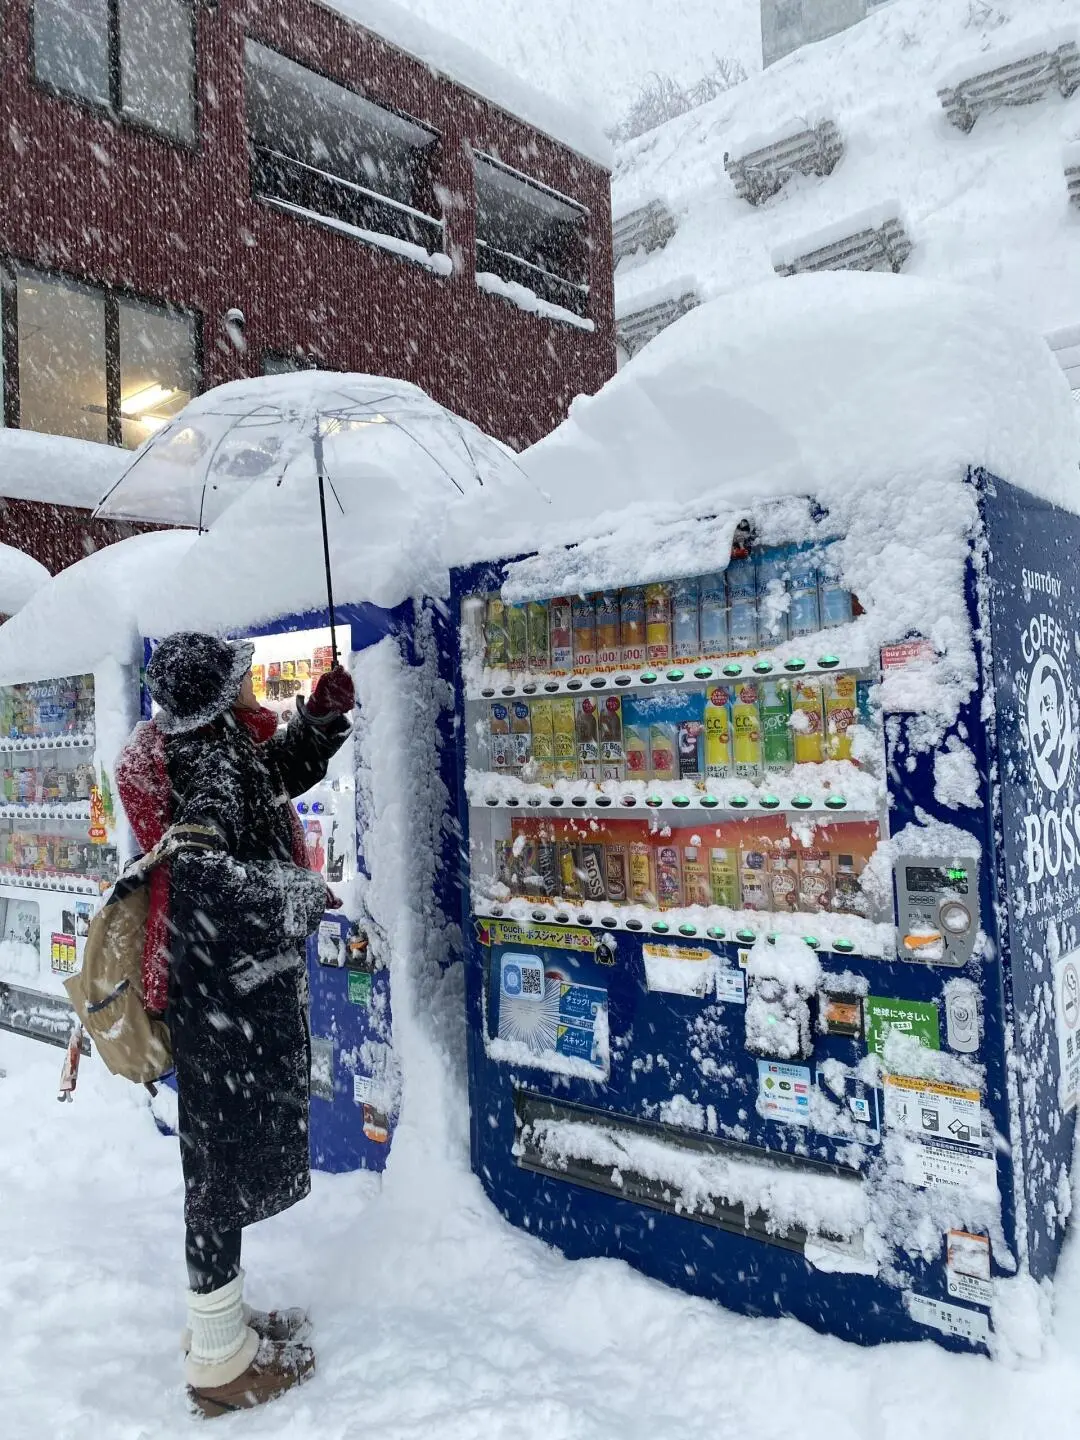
[{"x": 272, "y": 429}]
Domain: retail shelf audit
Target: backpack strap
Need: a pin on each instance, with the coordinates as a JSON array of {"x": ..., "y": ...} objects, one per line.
[{"x": 175, "y": 839}]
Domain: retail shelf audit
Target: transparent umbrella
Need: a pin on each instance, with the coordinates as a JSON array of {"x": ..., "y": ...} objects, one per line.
[{"x": 283, "y": 427}]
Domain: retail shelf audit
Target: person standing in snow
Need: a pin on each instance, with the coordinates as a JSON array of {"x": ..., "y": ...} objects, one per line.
[{"x": 225, "y": 958}]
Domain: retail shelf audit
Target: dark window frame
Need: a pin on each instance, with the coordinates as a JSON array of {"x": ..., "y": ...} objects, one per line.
[
  {"x": 114, "y": 110},
  {"x": 427, "y": 184},
  {"x": 11, "y": 268}
]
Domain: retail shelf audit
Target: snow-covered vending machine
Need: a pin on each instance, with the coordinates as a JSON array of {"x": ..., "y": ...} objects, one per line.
[
  {"x": 771, "y": 929},
  {"x": 61, "y": 838}
]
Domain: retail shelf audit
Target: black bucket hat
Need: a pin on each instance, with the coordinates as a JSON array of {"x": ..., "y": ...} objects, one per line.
[{"x": 194, "y": 678}]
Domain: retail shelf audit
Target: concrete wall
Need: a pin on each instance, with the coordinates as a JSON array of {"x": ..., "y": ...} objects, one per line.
[{"x": 787, "y": 24}]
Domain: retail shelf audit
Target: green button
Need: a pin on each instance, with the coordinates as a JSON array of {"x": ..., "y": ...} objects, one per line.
[
  {"x": 710, "y": 802},
  {"x": 738, "y": 802},
  {"x": 661, "y": 927},
  {"x": 801, "y": 802},
  {"x": 845, "y": 947},
  {"x": 676, "y": 674},
  {"x": 829, "y": 662},
  {"x": 687, "y": 929},
  {"x": 703, "y": 672},
  {"x": 733, "y": 668},
  {"x": 769, "y": 802},
  {"x": 654, "y": 800},
  {"x": 680, "y": 801},
  {"x": 746, "y": 936},
  {"x": 812, "y": 941},
  {"x": 794, "y": 664},
  {"x": 762, "y": 667},
  {"x": 771, "y": 938},
  {"x": 648, "y": 677},
  {"x": 716, "y": 932},
  {"x": 835, "y": 802}
]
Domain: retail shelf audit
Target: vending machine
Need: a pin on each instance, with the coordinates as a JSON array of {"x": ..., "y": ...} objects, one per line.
[
  {"x": 771, "y": 937},
  {"x": 62, "y": 839}
]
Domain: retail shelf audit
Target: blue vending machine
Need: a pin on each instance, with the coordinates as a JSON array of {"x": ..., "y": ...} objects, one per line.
[
  {"x": 355, "y": 1080},
  {"x": 773, "y": 965}
]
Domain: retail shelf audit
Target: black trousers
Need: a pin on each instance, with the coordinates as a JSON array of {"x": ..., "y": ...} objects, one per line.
[{"x": 213, "y": 1258}]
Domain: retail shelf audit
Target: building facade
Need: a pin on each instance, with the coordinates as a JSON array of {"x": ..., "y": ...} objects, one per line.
[{"x": 194, "y": 192}]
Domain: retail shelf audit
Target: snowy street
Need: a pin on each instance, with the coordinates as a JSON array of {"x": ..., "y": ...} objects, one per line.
[{"x": 434, "y": 1319}]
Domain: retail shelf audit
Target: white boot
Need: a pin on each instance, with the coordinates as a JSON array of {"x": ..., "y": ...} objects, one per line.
[{"x": 222, "y": 1345}]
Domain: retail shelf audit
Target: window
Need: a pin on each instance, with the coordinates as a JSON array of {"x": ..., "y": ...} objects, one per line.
[
  {"x": 529, "y": 235},
  {"x": 135, "y": 56},
  {"x": 323, "y": 151},
  {"x": 82, "y": 361}
]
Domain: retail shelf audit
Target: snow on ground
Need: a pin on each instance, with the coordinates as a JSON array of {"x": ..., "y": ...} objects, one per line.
[
  {"x": 988, "y": 209},
  {"x": 434, "y": 1319}
]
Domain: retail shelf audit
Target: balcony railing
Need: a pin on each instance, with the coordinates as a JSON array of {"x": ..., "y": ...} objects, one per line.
[{"x": 555, "y": 289}]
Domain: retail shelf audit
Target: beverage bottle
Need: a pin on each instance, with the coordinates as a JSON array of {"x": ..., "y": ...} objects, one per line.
[
  {"x": 742, "y": 604},
  {"x": 584, "y": 619},
  {"x": 685, "y": 635},
  {"x": 815, "y": 880},
  {"x": 658, "y": 624},
  {"x": 565, "y": 731},
  {"x": 719, "y": 757},
  {"x": 695, "y": 876},
  {"x": 669, "y": 886},
  {"x": 473, "y": 646},
  {"x": 778, "y": 748},
  {"x": 773, "y": 598},
  {"x": 713, "y": 616},
  {"x": 608, "y": 648},
  {"x": 807, "y": 725},
  {"x": 536, "y": 613},
  {"x": 847, "y": 894},
  {"x": 635, "y": 729},
  {"x": 642, "y": 873},
  {"x": 541, "y": 720},
  {"x": 494, "y": 634},
  {"x": 724, "y": 877},
  {"x": 746, "y": 732},
  {"x": 502, "y": 746},
  {"x": 632, "y": 638},
  {"x": 615, "y": 873},
  {"x": 520, "y": 733},
  {"x": 561, "y": 635},
  {"x": 804, "y": 615},
  {"x": 592, "y": 872},
  {"x": 569, "y": 871},
  {"x": 836, "y": 608},
  {"x": 588, "y": 738},
  {"x": 517, "y": 637},
  {"x": 547, "y": 867},
  {"x": 754, "y": 879},
  {"x": 690, "y": 732},
  {"x": 612, "y": 755},
  {"x": 841, "y": 702},
  {"x": 663, "y": 747},
  {"x": 784, "y": 881}
]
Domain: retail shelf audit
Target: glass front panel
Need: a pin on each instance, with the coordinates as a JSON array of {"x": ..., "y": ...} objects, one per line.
[
  {"x": 157, "y": 363},
  {"x": 61, "y": 358},
  {"x": 71, "y": 46},
  {"x": 157, "y": 65}
]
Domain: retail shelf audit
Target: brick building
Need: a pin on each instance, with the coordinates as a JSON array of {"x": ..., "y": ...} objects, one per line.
[{"x": 192, "y": 192}]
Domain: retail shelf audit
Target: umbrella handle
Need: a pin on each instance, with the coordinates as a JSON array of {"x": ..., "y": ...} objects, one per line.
[{"x": 318, "y": 445}]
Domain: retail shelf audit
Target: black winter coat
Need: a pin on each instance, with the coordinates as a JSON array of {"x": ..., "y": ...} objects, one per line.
[{"x": 239, "y": 918}]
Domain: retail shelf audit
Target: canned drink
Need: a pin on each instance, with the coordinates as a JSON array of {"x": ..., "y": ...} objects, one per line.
[
  {"x": 547, "y": 867},
  {"x": 587, "y": 729},
  {"x": 561, "y": 635},
  {"x": 685, "y": 634},
  {"x": 521, "y": 733},
  {"x": 836, "y": 608},
  {"x": 724, "y": 877},
  {"x": 494, "y": 636},
  {"x": 690, "y": 730},
  {"x": 529, "y": 882},
  {"x": 658, "y": 624},
  {"x": 841, "y": 708},
  {"x": 754, "y": 880},
  {"x": 695, "y": 876},
  {"x": 615, "y": 873},
  {"x": 669, "y": 886},
  {"x": 502, "y": 745},
  {"x": 663, "y": 750},
  {"x": 778, "y": 749},
  {"x": 583, "y": 611},
  {"x": 806, "y": 722},
  {"x": 592, "y": 872},
  {"x": 503, "y": 858},
  {"x": 541, "y": 722},
  {"x": 805, "y": 612},
  {"x": 539, "y": 643},
  {"x": 636, "y": 750},
  {"x": 773, "y": 599},
  {"x": 608, "y": 649},
  {"x": 569, "y": 876},
  {"x": 784, "y": 882},
  {"x": 642, "y": 873},
  {"x": 746, "y": 732},
  {"x": 815, "y": 880},
  {"x": 517, "y": 637},
  {"x": 632, "y": 639},
  {"x": 565, "y": 736},
  {"x": 847, "y": 893},
  {"x": 742, "y": 604},
  {"x": 612, "y": 754},
  {"x": 719, "y": 757},
  {"x": 713, "y": 616}
]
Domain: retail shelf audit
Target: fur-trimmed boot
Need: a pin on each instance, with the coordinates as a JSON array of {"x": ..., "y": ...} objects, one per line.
[{"x": 228, "y": 1366}]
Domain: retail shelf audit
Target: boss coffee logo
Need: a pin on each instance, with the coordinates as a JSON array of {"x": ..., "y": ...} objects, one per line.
[{"x": 1052, "y": 829}]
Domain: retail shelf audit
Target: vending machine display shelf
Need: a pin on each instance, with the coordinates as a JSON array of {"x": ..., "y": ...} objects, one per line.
[
  {"x": 826, "y": 931},
  {"x": 17, "y": 744},
  {"x": 498, "y": 684},
  {"x": 65, "y": 884},
  {"x": 62, "y": 810}
]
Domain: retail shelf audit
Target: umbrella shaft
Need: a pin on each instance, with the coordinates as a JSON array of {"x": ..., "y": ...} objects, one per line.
[{"x": 326, "y": 546}]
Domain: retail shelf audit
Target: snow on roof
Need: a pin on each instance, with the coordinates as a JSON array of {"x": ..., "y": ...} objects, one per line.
[
  {"x": 989, "y": 208},
  {"x": 444, "y": 53},
  {"x": 56, "y": 470},
  {"x": 89, "y": 611},
  {"x": 20, "y": 576}
]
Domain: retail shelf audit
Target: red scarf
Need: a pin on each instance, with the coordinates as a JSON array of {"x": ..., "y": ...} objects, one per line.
[{"x": 142, "y": 780}]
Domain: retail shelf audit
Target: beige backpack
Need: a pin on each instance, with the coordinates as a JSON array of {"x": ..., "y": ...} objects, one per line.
[{"x": 107, "y": 993}]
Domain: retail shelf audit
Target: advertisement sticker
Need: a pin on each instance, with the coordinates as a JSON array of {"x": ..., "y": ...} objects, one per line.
[
  {"x": 908, "y": 1017},
  {"x": 359, "y": 988},
  {"x": 949, "y": 1319},
  {"x": 730, "y": 986},
  {"x": 678, "y": 969},
  {"x": 936, "y": 1164},
  {"x": 967, "y": 1267},
  {"x": 933, "y": 1109},
  {"x": 1067, "y": 1023},
  {"x": 62, "y": 954},
  {"x": 784, "y": 1092}
]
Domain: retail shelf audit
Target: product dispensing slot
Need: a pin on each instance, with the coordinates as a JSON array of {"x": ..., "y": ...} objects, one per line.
[
  {"x": 937, "y": 901},
  {"x": 649, "y": 1164}
]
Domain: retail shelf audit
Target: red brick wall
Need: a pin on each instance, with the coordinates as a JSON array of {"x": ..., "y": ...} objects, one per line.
[
  {"x": 57, "y": 535},
  {"x": 115, "y": 205}
]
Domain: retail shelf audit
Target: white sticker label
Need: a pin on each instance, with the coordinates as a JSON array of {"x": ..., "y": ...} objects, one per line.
[
  {"x": 730, "y": 986},
  {"x": 1067, "y": 1022},
  {"x": 362, "y": 1089},
  {"x": 522, "y": 977},
  {"x": 927, "y": 1107},
  {"x": 950, "y": 1167},
  {"x": 967, "y": 1261},
  {"x": 678, "y": 969},
  {"x": 949, "y": 1319}
]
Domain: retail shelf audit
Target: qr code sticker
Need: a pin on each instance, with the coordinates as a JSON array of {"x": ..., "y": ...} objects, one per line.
[{"x": 522, "y": 977}]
